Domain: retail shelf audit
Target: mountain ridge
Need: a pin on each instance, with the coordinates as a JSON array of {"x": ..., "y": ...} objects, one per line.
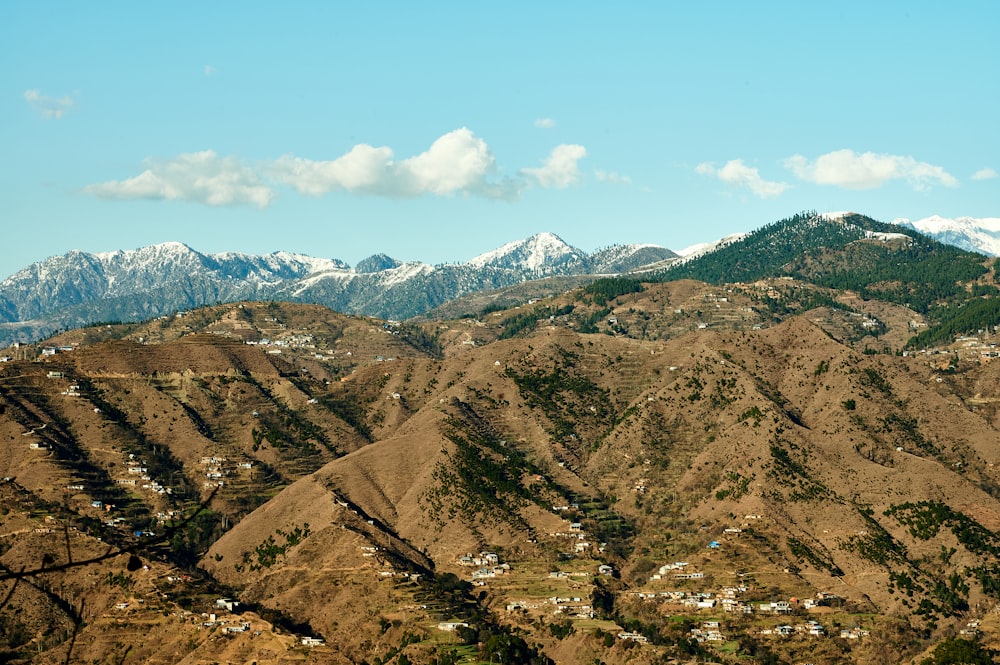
[
  {"x": 977, "y": 235},
  {"x": 128, "y": 285},
  {"x": 79, "y": 288}
]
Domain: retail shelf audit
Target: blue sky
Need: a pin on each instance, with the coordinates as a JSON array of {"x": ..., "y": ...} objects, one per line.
[{"x": 437, "y": 131}]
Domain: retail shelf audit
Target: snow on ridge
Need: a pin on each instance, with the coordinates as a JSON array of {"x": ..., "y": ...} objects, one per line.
[
  {"x": 404, "y": 272},
  {"x": 627, "y": 249},
  {"x": 130, "y": 259},
  {"x": 938, "y": 224},
  {"x": 836, "y": 216},
  {"x": 303, "y": 284},
  {"x": 389, "y": 277},
  {"x": 700, "y": 248},
  {"x": 492, "y": 255},
  {"x": 104, "y": 257},
  {"x": 178, "y": 252},
  {"x": 978, "y": 235},
  {"x": 884, "y": 236},
  {"x": 276, "y": 260},
  {"x": 539, "y": 248}
]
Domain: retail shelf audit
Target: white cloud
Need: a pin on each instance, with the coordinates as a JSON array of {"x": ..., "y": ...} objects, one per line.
[
  {"x": 457, "y": 163},
  {"x": 850, "y": 170},
  {"x": 202, "y": 177},
  {"x": 48, "y": 107},
  {"x": 984, "y": 174},
  {"x": 363, "y": 169},
  {"x": 209, "y": 70},
  {"x": 736, "y": 173},
  {"x": 560, "y": 168},
  {"x": 612, "y": 177},
  {"x": 545, "y": 123}
]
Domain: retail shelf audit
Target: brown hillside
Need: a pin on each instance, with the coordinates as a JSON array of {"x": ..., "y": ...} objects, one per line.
[{"x": 374, "y": 481}]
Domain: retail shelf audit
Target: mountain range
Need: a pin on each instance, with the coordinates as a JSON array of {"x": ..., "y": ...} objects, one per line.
[
  {"x": 127, "y": 285},
  {"x": 782, "y": 450},
  {"x": 976, "y": 235}
]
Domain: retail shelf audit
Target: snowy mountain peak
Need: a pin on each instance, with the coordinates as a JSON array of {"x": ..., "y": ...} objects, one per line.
[
  {"x": 77, "y": 288},
  {"x": 540, "y": 251},
  {"x": 973, "y": 234},
  {"x": 377, "y": 263},
  {"x": 938, "y": 224},
  {"x": 623, "y": 258},
  {"x": 169, "y": 248}
]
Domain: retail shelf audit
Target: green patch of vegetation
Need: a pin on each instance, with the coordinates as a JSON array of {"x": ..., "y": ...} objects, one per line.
[
  {"x": 875, "y": 544},
  {"x": 120, "y": 580},
  {"x": 737, "y": 488},
  {"x": 288, "y": 430},
  {"x": 924, "y": 520},
  {"x": 561, "y": 629},
  {"x": 790, "y": 472},
  {"x": 988, "y": 577},
  {"x": 606, "y": 525},
  {"x": 609, "y": 288},
  {"x": 488, "y": 476},
  {"x": 960, "y": 651},
  {"x": 350, "y": 409},
  {"x": 805, "y": 553},
  {"x": 761, "y": 253},
  {"x": 958, "y": 318},
  {"x": 421, "y": 340},
  {"x": 589, "y": 324},
  {"x": 785, "y": 465},
  {"x": 266, "y": 554},
  {"x": 873, "y": 378},
  {"x": 920, "y": 273},
  {"x": 189, "y": 544},
  {"x": 566, "y": 397},
  {"x": 952, "y": 593},
  {"x": 526, "y": 321},
  {"x": 484, "y": 640},
  {"x": 753, "y": 412},
  {"x": 985, "y": 290},
  {"x": 907, "y": 427},
  {"x": 722, "y": 392},
  {"x": 901, "y": 580},
  {"x": 492, "y": 307}
]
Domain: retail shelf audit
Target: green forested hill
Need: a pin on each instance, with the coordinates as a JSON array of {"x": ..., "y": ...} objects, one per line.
[{"x": 856, "y": 253}]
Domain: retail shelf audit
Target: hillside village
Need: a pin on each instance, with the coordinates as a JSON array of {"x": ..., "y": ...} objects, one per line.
[{"x": 635, "y": 472}]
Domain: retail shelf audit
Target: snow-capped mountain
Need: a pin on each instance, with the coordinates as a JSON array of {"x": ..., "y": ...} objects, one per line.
[
  {"x": 127, "y": 285},
  {"x": 629, "y": 258},
  {"x": 177, "y": 275},
  {"x": 976, "y": 235},
  {"x": 548, "y": 254},
  {"x": 542, "y": 253}
]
